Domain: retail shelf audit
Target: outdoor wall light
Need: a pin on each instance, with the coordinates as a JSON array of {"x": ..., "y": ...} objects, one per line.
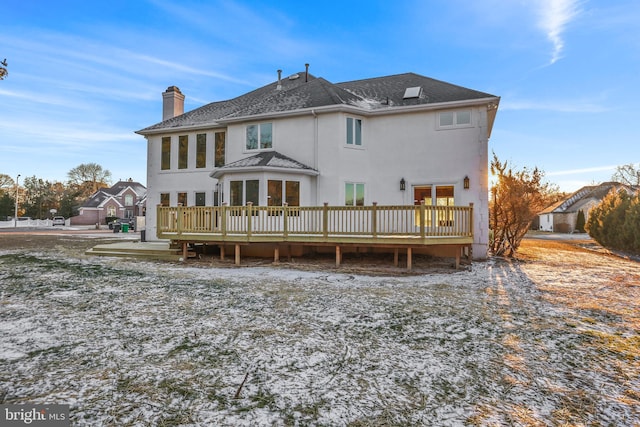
[
  {"x": 465, "y": 183},
  {"x": 403, "y": 184}
]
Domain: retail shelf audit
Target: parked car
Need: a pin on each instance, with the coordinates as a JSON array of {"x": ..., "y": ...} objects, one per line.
[{"x": 58, "y": 220}]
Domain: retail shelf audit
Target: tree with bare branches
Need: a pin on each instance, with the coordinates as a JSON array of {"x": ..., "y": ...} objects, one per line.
[
  {"x": 627, "y": 174},
  {"x": 88, "y": 178},
  {"x": 517, "y": 197},
  {"x": 3, "y": 69}
]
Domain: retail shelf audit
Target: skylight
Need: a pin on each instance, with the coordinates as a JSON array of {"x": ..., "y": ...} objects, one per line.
[{"x": 412, "y": 92}]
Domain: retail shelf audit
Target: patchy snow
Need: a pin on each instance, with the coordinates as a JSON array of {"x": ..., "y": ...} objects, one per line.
[
  {"x": 285, "y": 163},
  {"x": 142, "y": 343},
  {"x": 367, "y": 103}
]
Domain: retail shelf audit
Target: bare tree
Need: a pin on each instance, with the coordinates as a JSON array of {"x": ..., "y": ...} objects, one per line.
[
  {"x": 517, "y": 198},
  {"x": 3, "y": 69},
  {"x": 627, "y": 174},
  {"x": 6, "y": 183},
  {"x": 89, "y": 178}
]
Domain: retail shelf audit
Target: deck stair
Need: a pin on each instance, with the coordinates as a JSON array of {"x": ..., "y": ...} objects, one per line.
[{"x": 143, "y": 250}]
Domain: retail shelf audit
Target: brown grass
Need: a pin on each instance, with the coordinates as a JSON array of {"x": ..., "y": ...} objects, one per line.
[{"x": 616, "y": 292}]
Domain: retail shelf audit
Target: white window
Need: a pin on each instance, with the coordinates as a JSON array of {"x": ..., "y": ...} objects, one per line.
[
  {"x": 353, "y": 194},
  {"x": 354, "y": 131},
  {"x": 128, "y": 199},
  {"x": 243, "y": 192},
  {"x": 452, "y": 119},
  {"x": 260, "y": 137}
]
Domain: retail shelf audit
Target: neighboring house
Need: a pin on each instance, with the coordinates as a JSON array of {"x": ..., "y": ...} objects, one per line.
[
  {"x": 394, "y": 140},
  {"x": 561, "y": 217},
  {"x": 125, "y": 199}
]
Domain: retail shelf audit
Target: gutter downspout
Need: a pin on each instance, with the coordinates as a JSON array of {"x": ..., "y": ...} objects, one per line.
[{"x": 316, "y": 151}]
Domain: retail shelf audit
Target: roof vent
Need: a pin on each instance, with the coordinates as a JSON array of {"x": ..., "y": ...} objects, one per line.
[
  {"x": 294, "y": 76},
  {"x": 412, "y": 92}
]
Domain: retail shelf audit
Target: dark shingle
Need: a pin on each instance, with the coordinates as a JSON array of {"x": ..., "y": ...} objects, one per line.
[
  {"x": 267, "y": 158},
  {"x": 297, "y": 94}
]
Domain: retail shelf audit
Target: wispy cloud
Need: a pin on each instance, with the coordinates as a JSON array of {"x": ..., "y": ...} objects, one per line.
[
  {"x": 572, "y": 106},
  {"x": 554, "y": 15},
  {"x": 581, "y": 171}
]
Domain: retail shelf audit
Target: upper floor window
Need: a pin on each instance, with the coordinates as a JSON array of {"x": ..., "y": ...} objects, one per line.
[
  {"x": 219, "y": 149},
  {"x": 128, "y": 199},
  {"x": 448, "y": 119},
  {"x": 354, "y": 131},
  {"x": 165, "y": 161},
  {"x": 183, "y": 151},
  {"x": 260, "y": 137},
  {"x": 201, "y": 150}
]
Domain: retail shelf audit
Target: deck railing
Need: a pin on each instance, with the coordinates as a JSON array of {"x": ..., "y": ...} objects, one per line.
[{"x": 315, "y": 222}]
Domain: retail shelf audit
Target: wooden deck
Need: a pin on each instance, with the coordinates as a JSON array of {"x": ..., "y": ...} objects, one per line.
[{"x": 397, "y": 227}]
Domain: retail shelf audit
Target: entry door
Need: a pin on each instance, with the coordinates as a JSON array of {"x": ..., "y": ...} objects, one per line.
[
  {"x": 420, "y": 194},
  {"x": 444, "y": 197}
]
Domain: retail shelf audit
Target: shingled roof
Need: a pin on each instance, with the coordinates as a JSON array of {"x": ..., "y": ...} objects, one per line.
[
  {"x": 576, "y": 200},
  {"x": 102, "y": 195},
  {"x": 304, "y": 91},
  {"x": 265, "y": 160}
]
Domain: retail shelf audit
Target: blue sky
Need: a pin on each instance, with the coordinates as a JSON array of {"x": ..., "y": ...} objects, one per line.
[{"x": 84, "y": 75}]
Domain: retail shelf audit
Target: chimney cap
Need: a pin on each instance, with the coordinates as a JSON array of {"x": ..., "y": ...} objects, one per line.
[{"x": 173, "y": 89}]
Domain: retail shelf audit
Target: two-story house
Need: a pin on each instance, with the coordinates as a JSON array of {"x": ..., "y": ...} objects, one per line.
[
  {"x": 124, "y": 199},
  {"x": 301, "y": 140}
]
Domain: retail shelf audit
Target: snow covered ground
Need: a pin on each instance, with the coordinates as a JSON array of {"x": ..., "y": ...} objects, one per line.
[{"x": 501, "y": 343}]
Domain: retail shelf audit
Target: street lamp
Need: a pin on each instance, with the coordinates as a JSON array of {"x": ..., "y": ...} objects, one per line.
[{"x": 15, "y": 216}]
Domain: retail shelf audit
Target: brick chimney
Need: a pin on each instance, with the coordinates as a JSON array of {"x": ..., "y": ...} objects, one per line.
[{"x": 172, "y": 103}]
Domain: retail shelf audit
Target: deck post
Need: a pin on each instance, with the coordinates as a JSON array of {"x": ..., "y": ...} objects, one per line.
[
  {"x": 223, "y": 219},
  {"x": 249, "y": 217},
  {"x": 221, "y": 252},
  {"x": 409, "y": 260},
  {"x": 395, "y": 257},
  {"x": 184, "y": 251},
  {"x": 459, "y": 249},
  {"x": 325, "y": 220},
  {"x": 276, "y": 255},
  {"x": 338, "y": 256},
  {"x": 374, "y": 219},
  {"x": 179, "y": 219},
  {"x": 285, "y": 220},
  {"x": 237, "y": 254},
  {"x": 471, "y": 219},
  {"x": 422, "y": 219}
]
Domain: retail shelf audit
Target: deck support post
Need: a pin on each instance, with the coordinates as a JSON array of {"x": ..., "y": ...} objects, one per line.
[
  {"x": 459, "y": 250},
  {"x": 221, "y": 252},
  {"x": 276, "y": 255},
  {"x": 338, "y": 256},
  {"x": 409, "y": 261},
  {"x": 237, "y": 254},
  {"x": 184, "y": 251},
  {"x": 395, "y": 257}
]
